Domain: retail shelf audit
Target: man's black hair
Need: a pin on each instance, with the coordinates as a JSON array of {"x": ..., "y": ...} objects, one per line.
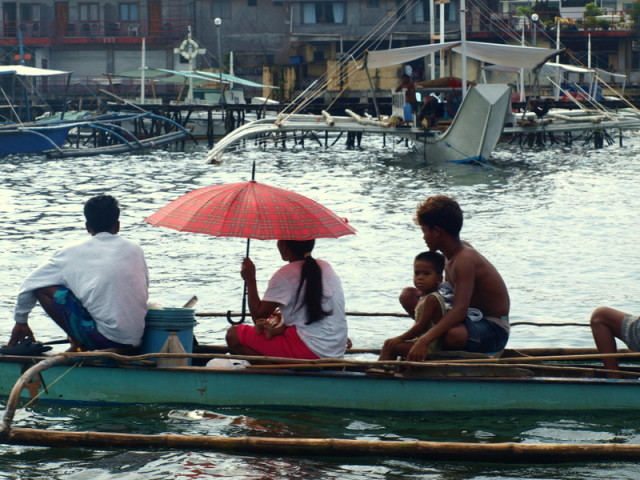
[{"x": 101, "y": 212}]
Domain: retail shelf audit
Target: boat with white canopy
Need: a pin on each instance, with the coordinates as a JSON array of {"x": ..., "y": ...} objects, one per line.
[{"x": 471, "y": 136}]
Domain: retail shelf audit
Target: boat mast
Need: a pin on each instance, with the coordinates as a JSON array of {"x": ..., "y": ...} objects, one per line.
[
  {"x": 28, "y": 83},
  {"x": 142, "y": 70},
  {"x": 432, "y": 26},
  {"x": 463, "y": 39},
  {"x": 373, "y": 91}
]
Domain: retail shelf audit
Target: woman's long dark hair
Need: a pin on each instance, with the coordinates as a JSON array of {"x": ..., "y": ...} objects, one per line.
[{"x": 311, "y": 273}]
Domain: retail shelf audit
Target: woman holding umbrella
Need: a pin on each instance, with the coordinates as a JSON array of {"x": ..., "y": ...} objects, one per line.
[{"x": 301, "y": 314}]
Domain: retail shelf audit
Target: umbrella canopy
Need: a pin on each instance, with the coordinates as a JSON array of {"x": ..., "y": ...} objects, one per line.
[{"x": 251, "y": 210}]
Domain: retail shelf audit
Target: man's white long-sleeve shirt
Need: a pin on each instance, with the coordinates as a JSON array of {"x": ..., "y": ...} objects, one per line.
[{"x": 108, "y": 274}]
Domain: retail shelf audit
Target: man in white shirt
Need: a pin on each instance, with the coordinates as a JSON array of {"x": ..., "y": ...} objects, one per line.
[{"x": 96, "y": 290}]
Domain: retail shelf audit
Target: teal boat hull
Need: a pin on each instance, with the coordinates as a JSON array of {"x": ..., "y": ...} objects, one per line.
[{"x": 210, "y": 388}]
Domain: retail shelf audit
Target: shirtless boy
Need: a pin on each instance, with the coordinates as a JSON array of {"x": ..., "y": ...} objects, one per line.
[{"x": 475, "y": 281}]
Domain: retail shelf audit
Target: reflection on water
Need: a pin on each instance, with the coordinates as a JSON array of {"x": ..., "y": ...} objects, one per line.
[{"x": 560, "y": 226}]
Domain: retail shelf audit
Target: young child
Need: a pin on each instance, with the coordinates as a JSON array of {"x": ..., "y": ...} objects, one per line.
[{"x": 427, "y": 276}]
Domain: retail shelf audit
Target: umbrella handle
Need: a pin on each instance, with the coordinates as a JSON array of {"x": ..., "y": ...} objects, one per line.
[
  {"x": 232, "y": 322},
  {"x": 244, "y": 308}
]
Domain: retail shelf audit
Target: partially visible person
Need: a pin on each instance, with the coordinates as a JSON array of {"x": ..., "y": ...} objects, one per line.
[
  {"x": 429, "y": 111},
  {"x": 476, "y": 283},
  {"x": 607, "y": 324},
  {"x": 301, "y": 314},
  {"x": 410, "y": 90},
  {"x": 427, "y": 276},
  {"x": 96, "y": 289}
]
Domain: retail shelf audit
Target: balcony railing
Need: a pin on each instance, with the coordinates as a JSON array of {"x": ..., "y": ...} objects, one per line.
[
  {"x": 514, "y": 23},
  {"x": 53, "y": 32}
]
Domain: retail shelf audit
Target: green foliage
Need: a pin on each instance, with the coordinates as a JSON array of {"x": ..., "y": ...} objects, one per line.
[
  {"x": 592, "y": 10},
  {"x": 525, "y": 11}
]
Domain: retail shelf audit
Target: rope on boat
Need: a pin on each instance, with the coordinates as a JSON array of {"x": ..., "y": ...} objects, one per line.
[
  {"x": 22, "y": 383},
  {"x": 46, "y": 387}
]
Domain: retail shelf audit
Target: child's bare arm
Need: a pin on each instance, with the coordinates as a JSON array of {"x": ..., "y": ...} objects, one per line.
[{"x": 432, "y": 312}]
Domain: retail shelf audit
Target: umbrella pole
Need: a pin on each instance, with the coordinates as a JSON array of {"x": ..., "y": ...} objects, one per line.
[{"x": 244, "y": 289}]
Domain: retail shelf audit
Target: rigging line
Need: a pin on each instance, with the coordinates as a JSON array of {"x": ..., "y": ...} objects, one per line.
[
  {"x": 51, "y": 384},
  {"x": 568, "y": 94},
  {"x": 320, "y": 84},
  {"x": 502, "y": 25},
  {"x": 620, "y": 95},
  {"x": 597, "y": 105},
  {"x": 11, "y": 106}
]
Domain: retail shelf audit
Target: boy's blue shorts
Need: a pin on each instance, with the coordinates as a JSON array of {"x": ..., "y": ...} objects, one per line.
[{"x": 78, "y": 323}]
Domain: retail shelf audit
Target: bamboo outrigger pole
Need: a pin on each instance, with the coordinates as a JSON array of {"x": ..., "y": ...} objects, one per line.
[{"x": 483, "y": 452}]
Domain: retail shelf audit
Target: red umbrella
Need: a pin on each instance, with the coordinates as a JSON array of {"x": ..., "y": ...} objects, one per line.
[{"x": 250, "y": 210}]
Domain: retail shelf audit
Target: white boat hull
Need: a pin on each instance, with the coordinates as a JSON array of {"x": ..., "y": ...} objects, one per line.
[{"x": 472, "y": 136}]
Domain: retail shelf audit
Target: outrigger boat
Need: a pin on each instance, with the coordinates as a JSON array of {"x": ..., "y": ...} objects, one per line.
[
  {"x": 91, "y": 135},
  {"x": 74, "y": 134},
  {"x": 471, "y": 136},
  {"x": 525, "y": 380}
]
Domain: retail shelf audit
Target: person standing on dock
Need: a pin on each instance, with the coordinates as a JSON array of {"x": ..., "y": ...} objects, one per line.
[
  {"x": 96, "y": 290},
  {"x": 476, "y": 283},
  {"x": 410, "y": 91},
  {"x": 607, "y": 324}
]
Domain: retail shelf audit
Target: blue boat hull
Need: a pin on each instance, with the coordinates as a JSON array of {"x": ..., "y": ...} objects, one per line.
[{"x": 32, "y": 140}]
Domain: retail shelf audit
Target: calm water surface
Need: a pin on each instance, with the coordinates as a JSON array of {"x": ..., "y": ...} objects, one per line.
[{"x": 561, "y": 226}]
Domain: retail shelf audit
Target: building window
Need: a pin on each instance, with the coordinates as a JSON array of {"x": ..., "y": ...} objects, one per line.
[
  {"x": 252, "y": 3},
  {"x": 323, "y": 12},
  {"x": 88, "y": 12},
  {"x": 221, "y": 9},
  {"x": 29, "y": 12},
  {"x": 421, "y": 11},
  {"x": 129, "y": 11},
  {"x": 450, "y": 12},
  {"x": 373, "y": 3}
]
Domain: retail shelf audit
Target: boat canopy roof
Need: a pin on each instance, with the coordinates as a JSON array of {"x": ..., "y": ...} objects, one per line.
[
  {"x": 173, "y": 76},
  {"x": 397, "y": 56},
  {"x": 25, "y": 71},
  {"x": 496, "y": 53}
]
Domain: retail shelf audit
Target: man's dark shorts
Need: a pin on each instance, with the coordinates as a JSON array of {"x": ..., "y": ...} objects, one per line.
[
  {"x": 78, "y": 323},
  {"x": 485, "y": 336}
]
